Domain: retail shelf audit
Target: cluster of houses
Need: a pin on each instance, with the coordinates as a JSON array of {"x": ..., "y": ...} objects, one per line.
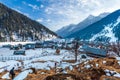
[
  {"x": 45, "y": 44},
  {"x": 91, "y": 48},
  {"x": 20, "y": 48}
]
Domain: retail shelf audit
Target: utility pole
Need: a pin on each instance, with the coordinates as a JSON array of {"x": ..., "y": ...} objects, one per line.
[{"x": 76, "y": 49}]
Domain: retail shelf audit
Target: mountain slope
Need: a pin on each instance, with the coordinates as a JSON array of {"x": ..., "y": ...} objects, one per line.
[
  {"x": 68, "y": 30},
  {"x": 17, "y": 27},
  {"x": 106, "y": 29}
]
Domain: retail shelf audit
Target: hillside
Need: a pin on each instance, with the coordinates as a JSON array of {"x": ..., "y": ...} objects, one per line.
[
  {"x": 106, "y": 29},
  {"x": 17, "y": 27}
]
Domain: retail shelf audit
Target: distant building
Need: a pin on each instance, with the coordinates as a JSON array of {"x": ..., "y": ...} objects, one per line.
[
  {"x": 16, "y": 47},
  {"x": 19, "y": 52},
  {"x": 6, "y": 46},
  {"x": 48, "y": 44},
  {"x": 30, "y": 46},
  {"x": 38, "y": 45}
]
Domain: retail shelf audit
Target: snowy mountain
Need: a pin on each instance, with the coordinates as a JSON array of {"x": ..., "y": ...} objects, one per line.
[
  {"x": 70, "y": 29},
  {"x": 66, "y": 30},
  {"x": 106, "y": 29},
  {"x": 17, "y": 27}
]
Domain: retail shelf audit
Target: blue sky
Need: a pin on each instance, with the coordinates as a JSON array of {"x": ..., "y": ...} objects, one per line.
[{"x": 56, "y": 14}]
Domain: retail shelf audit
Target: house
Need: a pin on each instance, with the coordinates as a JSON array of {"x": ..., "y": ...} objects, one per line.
[
  {"x": 19, "y": 52},
  {"x": 38, "y": 45},
  {"x": 7, "y": 46},
  {"x": 48, "y": 44},
  {"x": 30, "y": 46},
  {"x": 15, "y": 47},
  {"x": 94, "y": 52}
]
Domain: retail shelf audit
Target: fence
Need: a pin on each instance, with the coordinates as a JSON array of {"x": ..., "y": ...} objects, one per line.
[{"x": 5, "y": 58}]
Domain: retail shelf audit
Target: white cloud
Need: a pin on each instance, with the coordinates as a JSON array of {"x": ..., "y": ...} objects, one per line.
[
  {"x": 74, "y": 11},
  {"x": 41, "y": 6},
  {"x": 34, "y": 7},
  {"x": 60, "y": 13},
  {"x": 40, "y": 20},
  {"x": 49, "y": 10},
  {"x": 48, "y": 20}
]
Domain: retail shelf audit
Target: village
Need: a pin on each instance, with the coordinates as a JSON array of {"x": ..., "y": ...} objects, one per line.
[
  {"x": 59, "y": 39},
  {"x": 60, "y": 60}
]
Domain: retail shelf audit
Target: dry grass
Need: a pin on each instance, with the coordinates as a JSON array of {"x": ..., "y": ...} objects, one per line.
[
  {"x": 82, "y": 73},
  {"x": 79, "y": 72}
]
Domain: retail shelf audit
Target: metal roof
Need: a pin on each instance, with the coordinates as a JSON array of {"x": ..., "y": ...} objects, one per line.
[{"x": 95, "y": 51}]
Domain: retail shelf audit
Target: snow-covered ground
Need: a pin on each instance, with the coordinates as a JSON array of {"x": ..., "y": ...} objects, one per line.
[
  {"x": 6, "y": 52},
  {"x": 46, "y": 60}
]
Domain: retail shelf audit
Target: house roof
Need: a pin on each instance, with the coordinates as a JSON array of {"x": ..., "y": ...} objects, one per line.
[{"x": 95, "y": 51}]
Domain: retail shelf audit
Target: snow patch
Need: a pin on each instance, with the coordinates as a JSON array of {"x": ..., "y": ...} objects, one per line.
[
  {"x": 6, "y": 76},
  {"x": 22, "y": 75},
  {"x": 104, "y": 62},
  {"x": 87, "y": 66},
  {"x": 117, "y": 75}
]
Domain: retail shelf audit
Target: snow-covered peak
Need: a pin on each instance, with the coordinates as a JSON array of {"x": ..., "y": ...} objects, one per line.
[
  {"x": 90, "y": 17},
  {"x": 72, "y": 28}
]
